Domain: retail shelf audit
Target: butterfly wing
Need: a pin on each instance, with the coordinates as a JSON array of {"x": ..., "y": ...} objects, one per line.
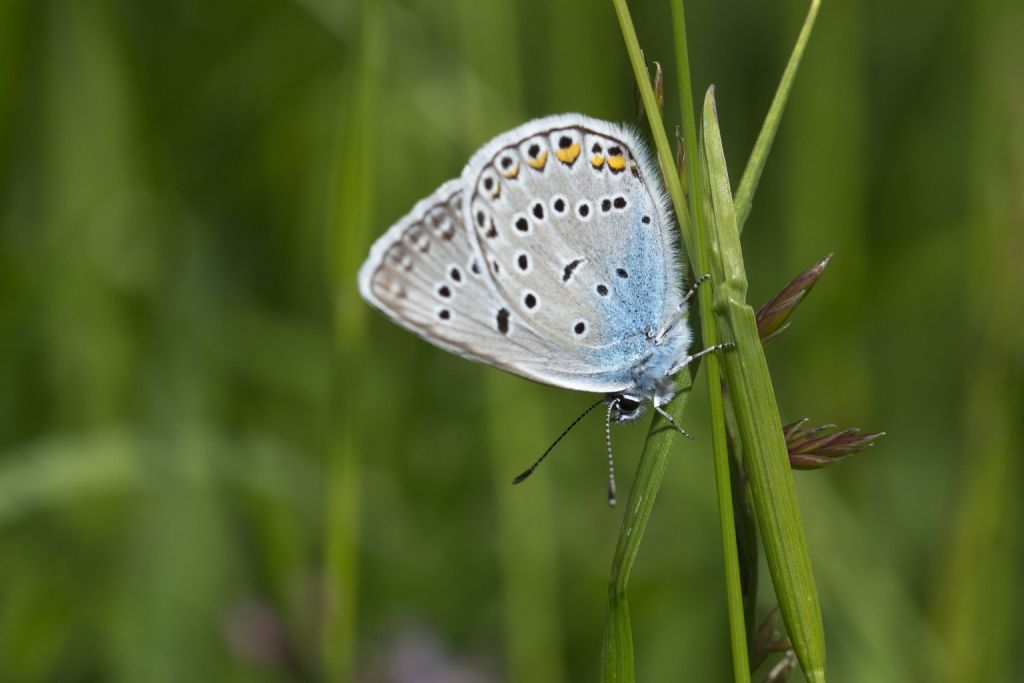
[
  {"x": 427, "y": 276},
  {"x": 569, "y": 215}
]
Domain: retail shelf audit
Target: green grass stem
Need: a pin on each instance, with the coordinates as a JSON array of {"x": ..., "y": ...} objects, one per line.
[{"x": 698, "y": 220}]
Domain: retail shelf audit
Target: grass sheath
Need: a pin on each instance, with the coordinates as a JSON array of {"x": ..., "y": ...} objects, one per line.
[{"x": 753, "y": 400}]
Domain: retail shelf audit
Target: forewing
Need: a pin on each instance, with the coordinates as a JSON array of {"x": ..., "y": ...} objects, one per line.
[{"x": 569, "y": 216}]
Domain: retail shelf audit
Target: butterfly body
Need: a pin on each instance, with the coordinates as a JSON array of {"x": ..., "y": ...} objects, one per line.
[{"x": 553, "y": 257}]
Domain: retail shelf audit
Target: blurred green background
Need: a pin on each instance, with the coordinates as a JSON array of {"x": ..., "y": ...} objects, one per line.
[{"x": 218, "y": 464}]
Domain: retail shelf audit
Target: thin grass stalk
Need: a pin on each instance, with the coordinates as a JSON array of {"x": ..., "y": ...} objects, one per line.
[
  {"x": 526, "y": 543},
  {"x": 730, "y": 554},
  {"x": 664, "y": 151},
  {"x": 616, "y": 651},
  {"x": 764, "y": 448},
  {"x": 618, "y": 662},
  {"x": 746, "y": 528},
  {"x": 348, "y": 230}
]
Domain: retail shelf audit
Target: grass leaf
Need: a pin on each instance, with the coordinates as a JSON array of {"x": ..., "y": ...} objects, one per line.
[{"x": 763, "y": 144}]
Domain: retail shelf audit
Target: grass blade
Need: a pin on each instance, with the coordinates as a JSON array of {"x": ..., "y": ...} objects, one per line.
[
  {"x": 757, "y": 416},
  {"x": 617, "y": 648},
  {"x": 763, "y": 144}
]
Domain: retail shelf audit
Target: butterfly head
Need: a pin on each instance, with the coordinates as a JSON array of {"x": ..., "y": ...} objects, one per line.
[{"x": 626, "y": 407}]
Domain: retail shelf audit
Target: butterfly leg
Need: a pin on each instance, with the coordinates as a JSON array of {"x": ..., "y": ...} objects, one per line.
[
  {"x": 679, "y": 366},
  {"x": 695, "y": 286},
  {"x": 689, "y": 359},
  {"x": 661, "y": 411},
  {"x": 681, "y": 311}
]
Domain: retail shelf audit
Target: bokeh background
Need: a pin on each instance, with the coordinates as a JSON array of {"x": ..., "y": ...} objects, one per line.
[{"x": 218, "y": 464}]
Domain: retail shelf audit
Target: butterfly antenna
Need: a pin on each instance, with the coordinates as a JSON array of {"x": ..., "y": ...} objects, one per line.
[
  {"x": 561, "y": 436},
  {"x": 612, "y": 405}
]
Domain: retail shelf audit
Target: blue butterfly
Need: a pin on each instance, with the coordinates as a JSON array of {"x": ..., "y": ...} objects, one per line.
[{"x": 554, "y": 256}]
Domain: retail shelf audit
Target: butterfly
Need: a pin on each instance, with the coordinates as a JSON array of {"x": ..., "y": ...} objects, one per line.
[{"x": 554, "y": 257}]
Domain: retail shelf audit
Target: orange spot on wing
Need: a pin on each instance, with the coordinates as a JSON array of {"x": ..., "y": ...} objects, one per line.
[
  {"x": 513, "y": 173},
  {"x": 539, "y": 162},
  {"x": 597, "y": 161},
  {"x": 617, "y": 162},
  {"x": 569, "y": 154}
]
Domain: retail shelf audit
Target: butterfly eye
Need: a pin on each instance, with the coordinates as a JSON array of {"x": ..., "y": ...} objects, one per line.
[{"x": 627, "y": 405}]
